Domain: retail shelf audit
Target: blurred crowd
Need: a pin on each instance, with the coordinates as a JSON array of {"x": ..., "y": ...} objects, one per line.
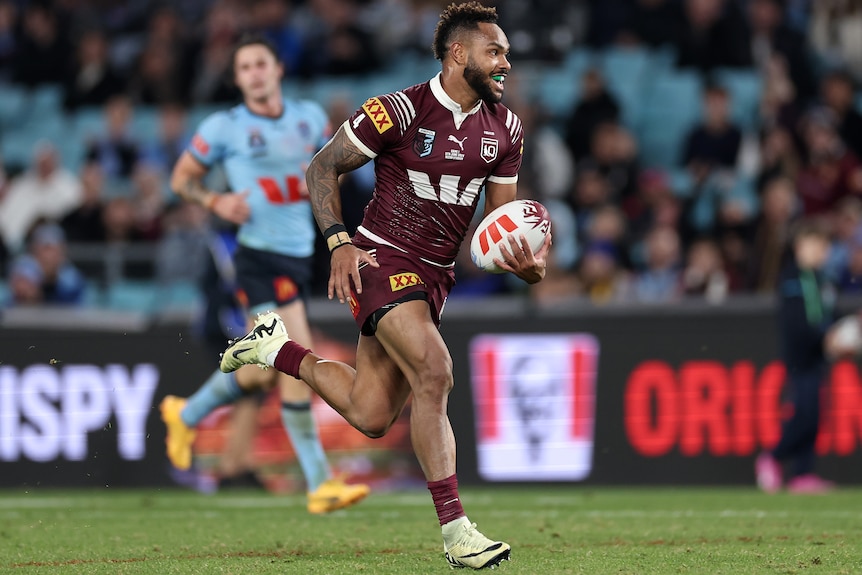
[{"x": 711, "y": 223}]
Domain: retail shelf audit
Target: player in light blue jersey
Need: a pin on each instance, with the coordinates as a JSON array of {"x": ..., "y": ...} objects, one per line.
[{"x": 264, "y": 144}]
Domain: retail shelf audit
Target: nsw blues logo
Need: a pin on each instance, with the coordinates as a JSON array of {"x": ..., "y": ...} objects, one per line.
[
  {"x": 256, "y": 143},
  {"x": 423, "y": 143}
]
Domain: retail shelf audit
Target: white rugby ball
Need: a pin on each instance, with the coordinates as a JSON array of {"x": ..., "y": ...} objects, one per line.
[{"x": 527, "y": 217}]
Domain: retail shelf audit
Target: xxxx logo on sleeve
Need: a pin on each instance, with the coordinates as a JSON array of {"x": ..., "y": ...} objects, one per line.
[
  {"x": 375, "y": 110},
  {"x": 404, "y": 280}
]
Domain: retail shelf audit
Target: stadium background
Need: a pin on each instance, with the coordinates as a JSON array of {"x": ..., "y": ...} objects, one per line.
[{"x": 668, "y": 228}]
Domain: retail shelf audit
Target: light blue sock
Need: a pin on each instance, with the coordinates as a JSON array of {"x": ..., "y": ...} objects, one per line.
[
  {"x": 302, "y": 431},
  {"x": 220, "y": 389}
]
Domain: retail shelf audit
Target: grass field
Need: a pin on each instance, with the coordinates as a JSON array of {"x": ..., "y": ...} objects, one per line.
[{"x": 565, "y": 531}]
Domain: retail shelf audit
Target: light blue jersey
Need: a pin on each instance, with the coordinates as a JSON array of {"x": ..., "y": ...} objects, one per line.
[{"x": 267, "y": 157}]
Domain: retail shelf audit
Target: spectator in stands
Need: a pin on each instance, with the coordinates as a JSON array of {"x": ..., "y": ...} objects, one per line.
[
  {"x": 91, "y": 80},
  {"x": 595, "y": 106},
  {"x": 849, "y": 280},
  {"x": 769, "y": 36},
  {"x": 149, "y": 197},
  {"x": 839, "y": 96},
  {"x": 713, "y": 35},
  {"x": 655, "y": 23},
  {"x": 118, "y": 219},
  {"x": 8, "y": 39},
  {"x": 271, "y": 18},
  {"x": 211, "y": 82},
  {"x": 654, "y": 205},
  {"x": 779, "y": 157},
  {"x": 846, "y": 222},
  {"x": 704, "y": 274},
  {"x": 115, "y": 151},
  {"x": 771, "y": 232},
  {"x": 42, "y": 51},
  {"x": 715, "y": 142},
  {"x": 546, "y": 166},
  {"x": 602, "y": 279},
  {"x": 591, "y": 190},
  {"x": 46, "y": 190},
  {"x": 159, "y": 76},
  {"x": 85, "y": 223},
  {"x": 45, "y": 275},
  {"x": 171, "y": 141},
  {"x": 161, "y": 72},
  {"x": 614, "y": 154},
  {"x": 183, "y": 251},
  {"x": 832, "y": 171},
  {"x": 834, "y": 32},
  {"x": 779, "y": 107},
  {"x": 659, "y": 281},
  {"x": 338, "y": 45},
  {"x": 608, "y": 227}
]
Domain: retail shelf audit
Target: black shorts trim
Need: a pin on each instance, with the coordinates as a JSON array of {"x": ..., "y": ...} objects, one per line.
[{"x": 370, "y": 326}]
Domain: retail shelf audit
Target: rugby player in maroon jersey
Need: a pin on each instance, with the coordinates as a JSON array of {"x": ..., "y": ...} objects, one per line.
[{"x": 435, "y": 146}]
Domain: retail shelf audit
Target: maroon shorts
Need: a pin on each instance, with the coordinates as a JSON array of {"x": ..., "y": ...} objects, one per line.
[{"x": 399, "y": 277}]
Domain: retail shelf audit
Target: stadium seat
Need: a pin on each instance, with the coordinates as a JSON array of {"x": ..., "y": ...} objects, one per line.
[
  {"x": 129, "y": 295},
  {"x": 17, "y": 146},
  {"x": 88, "y": 122},
  {"x": 45, "y": 101},
  {"x": 745, "y": 88},
  {"x": 672, "y": 105},
  {"x": 178, "y": 295},
  {"x": 557, "y": 90},
  {"x": 145, "y": 124},
  {"x": 12, "y": 101},
  {"x": 626, "y": 71}
]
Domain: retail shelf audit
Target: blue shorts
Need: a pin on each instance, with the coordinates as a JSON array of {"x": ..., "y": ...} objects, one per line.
[{"x": 267, "y": 278}]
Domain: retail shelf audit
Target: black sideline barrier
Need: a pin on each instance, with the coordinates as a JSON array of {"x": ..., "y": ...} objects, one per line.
[{"x": 645, "y": 396}]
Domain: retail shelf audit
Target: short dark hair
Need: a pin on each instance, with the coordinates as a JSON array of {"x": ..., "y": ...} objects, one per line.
[
  {"x": 811, "y": 227},
  {"x": 456, "y": 18},
  {"x": 251, "y": 39}
]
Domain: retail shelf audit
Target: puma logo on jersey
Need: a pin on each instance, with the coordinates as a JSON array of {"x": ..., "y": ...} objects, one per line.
[{"x": 457, "y": 141}]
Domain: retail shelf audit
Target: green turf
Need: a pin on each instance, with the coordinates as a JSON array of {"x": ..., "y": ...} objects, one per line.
[{"x": 572, "y": 530}]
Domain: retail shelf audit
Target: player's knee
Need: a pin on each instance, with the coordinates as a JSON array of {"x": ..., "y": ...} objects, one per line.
[
  {"x": 434, "y": 381},
  {"x": 374, "y": 427}
]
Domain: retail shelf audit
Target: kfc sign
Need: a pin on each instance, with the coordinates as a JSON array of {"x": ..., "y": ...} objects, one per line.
[
  {"x": 534, "y": 405},
  {"x": 47, "y": 411}
]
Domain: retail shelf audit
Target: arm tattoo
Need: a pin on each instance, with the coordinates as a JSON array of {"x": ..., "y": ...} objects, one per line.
[
  {"x": 193, "y": 190},
  {"x": 337, "y": 157}
]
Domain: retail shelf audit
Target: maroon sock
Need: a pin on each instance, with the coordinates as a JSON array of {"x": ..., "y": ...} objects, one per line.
[
  {"x": 446, "y": 499},
  {"x": 289, "y": 357}
]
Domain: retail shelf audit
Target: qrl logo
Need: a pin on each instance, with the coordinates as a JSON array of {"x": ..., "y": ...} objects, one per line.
[{"x": 493, "y": 231}]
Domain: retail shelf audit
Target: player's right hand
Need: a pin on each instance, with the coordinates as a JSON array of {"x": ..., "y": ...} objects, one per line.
[
  {"x": 344, "y": 267},
  {"x": 233, "y": 208}
]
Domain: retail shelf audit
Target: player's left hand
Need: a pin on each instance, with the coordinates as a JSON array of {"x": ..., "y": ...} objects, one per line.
[
  {"x": 344, "y": 267},
  {"x": 521, "y": 260}
]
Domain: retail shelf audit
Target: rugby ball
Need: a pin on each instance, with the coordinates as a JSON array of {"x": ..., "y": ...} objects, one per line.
[{"x": 527, "y": 217}]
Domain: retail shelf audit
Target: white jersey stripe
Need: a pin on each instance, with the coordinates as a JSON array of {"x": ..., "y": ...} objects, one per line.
[
  {"x": 378, "y": 240},
  {"x": 399, "y": 111},
  {"x": 411, "y": 111}
]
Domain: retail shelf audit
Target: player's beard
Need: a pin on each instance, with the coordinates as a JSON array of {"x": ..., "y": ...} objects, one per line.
[{"x": 481, "y": 84}]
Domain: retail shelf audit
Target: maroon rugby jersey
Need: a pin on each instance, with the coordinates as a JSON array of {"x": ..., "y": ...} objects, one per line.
[{"x": 431, "y": 161}]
